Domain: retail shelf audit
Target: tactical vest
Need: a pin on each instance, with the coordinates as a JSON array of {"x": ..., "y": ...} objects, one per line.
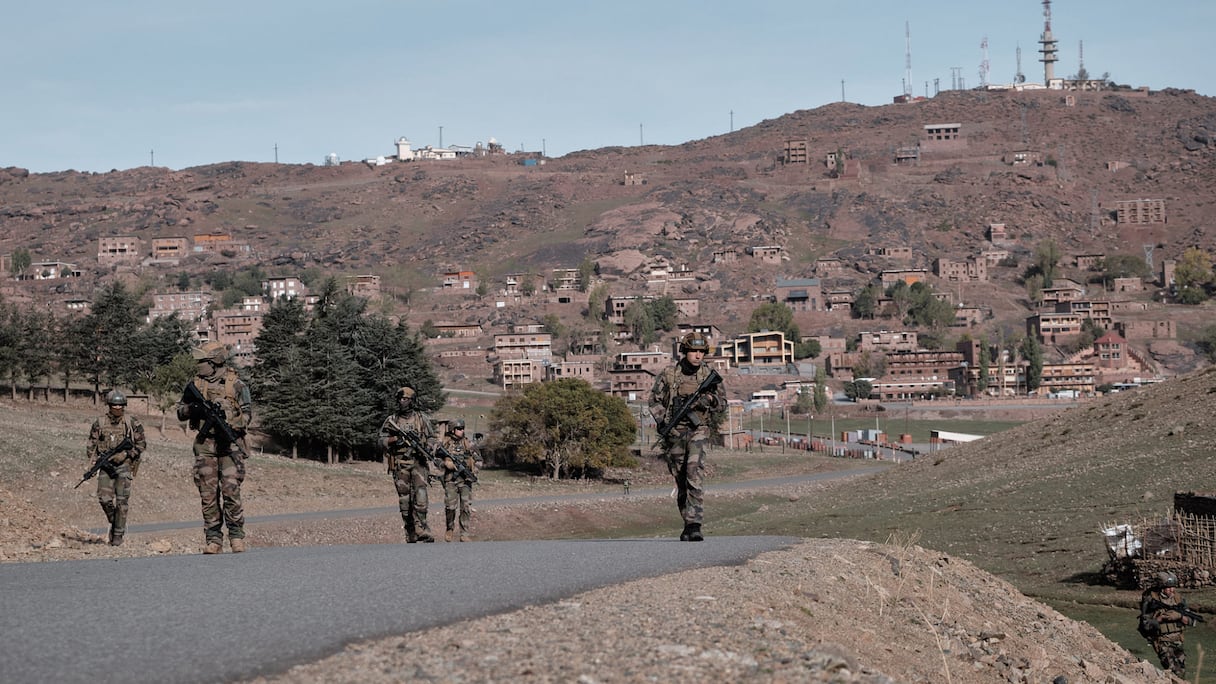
[
  {"x": 414, "y": 422},
  {"x": 224, "y": 392},
  {"x": 112, "y": 433},
  {"x": 681, "y": 386}
]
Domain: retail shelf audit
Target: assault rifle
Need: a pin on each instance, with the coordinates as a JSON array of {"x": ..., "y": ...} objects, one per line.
[
  {"x": 707, "y": 385},
  {"x": 103, "y": 459},
  {"x": 212, "y": 417},
  {"x": 1179, "y": 608},
  {"x": 416, "y": 443},
  {"x": 461, "y": 469}
]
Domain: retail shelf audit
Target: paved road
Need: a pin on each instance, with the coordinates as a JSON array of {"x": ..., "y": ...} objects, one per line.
[
  {"x": 863, "y": 468},
  {"x": 219, "y": 618}
]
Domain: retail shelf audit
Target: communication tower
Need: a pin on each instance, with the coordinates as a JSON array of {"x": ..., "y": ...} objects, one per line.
[
  {"x": 984, "y": 63},
  {"x": 1048, "y": 46},
  {"x": 1019, "y": 77},
  {"x": 907, "y": 59}
]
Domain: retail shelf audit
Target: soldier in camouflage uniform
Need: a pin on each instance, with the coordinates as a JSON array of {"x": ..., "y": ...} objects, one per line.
[
  {"x": 114, "y": 481},
  {"x": 219, "y": 466},
  {"x": 1161, "y": 624},
  {"x": 684, "y": 447},
  {"x": 458, "y": 489},
  {"x": 410, "y": 469}
]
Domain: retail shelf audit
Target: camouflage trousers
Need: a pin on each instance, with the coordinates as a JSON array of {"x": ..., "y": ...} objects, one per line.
[
  {"x": 410, "y": 479},
  {"x": 113, "y": 493},
  {"x": 457, "y": 503},
  {"x": 690, "y": 491},
  {"x": 1171, "y": 654},
  {"x": 218, "y": 477}
]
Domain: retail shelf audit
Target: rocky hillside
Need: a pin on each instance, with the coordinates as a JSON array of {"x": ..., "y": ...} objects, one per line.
[{"x": 494, "y": 214}]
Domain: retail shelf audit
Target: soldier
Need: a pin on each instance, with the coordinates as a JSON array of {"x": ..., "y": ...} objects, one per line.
[
  {"x": 1162, "y": 621},
  {"x": 457, "y": 487},
  {"x": 409, "y": 466},
  {"x": 114, "y": 481},
  {"x": 684, "y": 447},
  {"x": 219, "y": 462}
]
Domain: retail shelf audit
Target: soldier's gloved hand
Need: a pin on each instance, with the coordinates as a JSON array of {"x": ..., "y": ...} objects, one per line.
[
  {"x": 448, "y": 464},
  {"x": 708, "y": 402}
]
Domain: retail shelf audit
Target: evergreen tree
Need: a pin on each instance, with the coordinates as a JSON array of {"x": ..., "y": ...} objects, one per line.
[
  {"x": 35, "y": 353},
  {"x": 985, "y": 361},
  {"x": 1032, "y": 351},
  {"x": 865, "y": 304},
  {"x": 100, "y": 339}
]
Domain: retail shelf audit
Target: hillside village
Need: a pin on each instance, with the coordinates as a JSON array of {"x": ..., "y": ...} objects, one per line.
[{"x": 489, "y": 252}]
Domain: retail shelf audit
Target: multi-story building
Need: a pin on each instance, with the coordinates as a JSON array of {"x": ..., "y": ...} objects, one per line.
[
  {"x": 517, "y": 372},
  {"x": 1077, "y": 377},
  {"x": 888, "y": 341},
  {"x": 281, "y": 287},
  {"x": 516, "y": 344},
  {"x": 51, "y": 270},
  {"x": 1054, "y": 328},
  {"x": 769, "y": 254},
  {"x": 766, "y": 349},
  {"x": 577, "y": 369},
  {"x": 1140, "y": 211},
  {"x": 119, "y": 249},
  {"x": 1062, "y": 290},
  {"x": 799, "y": 294},
  {"x": 189, "y": 306},
  {"x": 366, "y": 286},
  {"x": 968, "y": 270},
  {"x": 1099, "y": 310},
  {"x": 170, "y": 249}
]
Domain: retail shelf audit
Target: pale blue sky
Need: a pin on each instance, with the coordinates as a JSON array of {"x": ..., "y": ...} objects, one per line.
[{"x": 95, "y": 86}]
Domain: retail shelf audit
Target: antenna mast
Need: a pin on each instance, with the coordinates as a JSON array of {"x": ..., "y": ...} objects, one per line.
[
  {"x": 1019, "y": 77},
  {"x": 984, "y": 64},
  {"x": 907, "y": 59},
  {"x": 1048, "y": 49}
]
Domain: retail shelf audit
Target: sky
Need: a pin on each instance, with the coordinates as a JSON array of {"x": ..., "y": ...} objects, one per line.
[{"x": 96, "y": 86}]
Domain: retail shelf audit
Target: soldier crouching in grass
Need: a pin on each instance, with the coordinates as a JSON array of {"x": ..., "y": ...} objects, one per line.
[{"x": 685, "y": 385}]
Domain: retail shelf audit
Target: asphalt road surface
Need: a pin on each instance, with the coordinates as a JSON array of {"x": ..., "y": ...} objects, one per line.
[{"x": 217, "y": 618}]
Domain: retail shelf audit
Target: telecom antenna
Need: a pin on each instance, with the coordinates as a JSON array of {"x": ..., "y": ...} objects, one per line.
[
  {"x": 1019, "y": 77},
  {"x": 984, "y": 64},
  {"x": 1048, "y": 49},
  {"x": 907, "y": 59},
  {"x": 1148, "y": 256},
  {"x": 1081, "y": 73}
]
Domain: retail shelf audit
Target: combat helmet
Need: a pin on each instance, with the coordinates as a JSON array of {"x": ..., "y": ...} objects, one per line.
[
  {"x": 457, "y": 424},
  {"x": 694, "y": 341},
  {"x": 406, "y": 392},
  {"x": 116, "y": 398},
  {"x": 1167, "y": 579},
  {"x": 213, "y": 351}
]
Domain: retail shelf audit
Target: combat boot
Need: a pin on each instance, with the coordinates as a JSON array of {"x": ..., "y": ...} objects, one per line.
[
  {"x": 213, "y": 547},
  {"x": 238, "y": 545},
  {"x": 464, "y": 536},
  {"x": 426, "y": 538},
  {"x": 694, "y": 533},
  {"x": 451, "y": 520},
  {"x": 684, "y": 534}
]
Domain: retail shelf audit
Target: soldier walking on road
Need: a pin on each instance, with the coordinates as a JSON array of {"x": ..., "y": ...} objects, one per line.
[
  {"x": 1162, "y": 622},
  {"x": 457, "y": 487},
  {"x": 219, "y": 461},
  {"x": 114, "y": 480},
  {"x": 684, "y": 446},
  {"x": 409, "y": 466}
]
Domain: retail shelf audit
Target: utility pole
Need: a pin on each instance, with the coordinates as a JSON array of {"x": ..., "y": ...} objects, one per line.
[
  {"x": 842, "y": 91},
  {"x": 151, "y": 157},
  {"x": 732, "y": 121},
  {"x": 641, "y": 137},
  {"x": 276, "y": 153},
  {"x": 441, "y": 137}
]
